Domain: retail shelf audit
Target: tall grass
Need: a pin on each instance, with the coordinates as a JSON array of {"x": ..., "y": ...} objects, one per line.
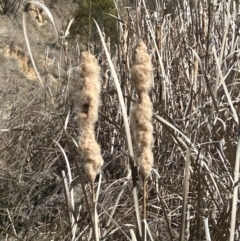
[{"x": 192, "y": 184}]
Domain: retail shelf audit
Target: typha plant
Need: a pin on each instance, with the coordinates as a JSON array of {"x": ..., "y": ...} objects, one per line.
[
  {"x": 141, "y": 116},
  {"x": 87, "y": 103}
]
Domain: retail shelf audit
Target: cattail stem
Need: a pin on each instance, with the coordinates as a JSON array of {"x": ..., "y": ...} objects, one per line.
[
  {"x": 95, "y": 215},
  {"x": 93, "y": 193},
  {"x": 144, "y": 209},
  {"x": 144, "y": 198},
  {"x": 89, "y": 23}
]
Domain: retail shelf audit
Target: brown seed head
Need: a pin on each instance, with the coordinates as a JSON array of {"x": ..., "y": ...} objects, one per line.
[
  {"x": 141, "y": 72},
  {"x": 141, "y": 113},
  {"x": 87, "y": 114}
]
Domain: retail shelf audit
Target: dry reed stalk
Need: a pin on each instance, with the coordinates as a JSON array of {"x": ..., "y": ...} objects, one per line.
[
  {"x": 124, "y": 41},
  {"x": 87, "y": 114},
  {"x": 105, "y": 67}
]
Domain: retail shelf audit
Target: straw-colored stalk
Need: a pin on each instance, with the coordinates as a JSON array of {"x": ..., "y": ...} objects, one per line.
[{"x": 87, "y": 114}]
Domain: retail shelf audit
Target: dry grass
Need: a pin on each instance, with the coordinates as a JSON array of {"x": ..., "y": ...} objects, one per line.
[{"x": 195, "y": 96}]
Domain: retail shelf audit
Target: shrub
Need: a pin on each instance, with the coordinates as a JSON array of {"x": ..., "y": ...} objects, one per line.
[
  {"x": 10, "y": 6},
  {"x": 99, "y": 11}
]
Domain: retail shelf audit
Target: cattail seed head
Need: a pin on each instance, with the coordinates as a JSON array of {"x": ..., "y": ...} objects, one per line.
[
  {"x": 87, "y": 114},
  {"x": 141, "y": 113},
  {"x": 141, "y": 72},
  {"x": 145, "y": 161},
  {"x": 91, "y": 153},
  {"x": 89, "y": 90},
  {"x": 142, "y": 126}
]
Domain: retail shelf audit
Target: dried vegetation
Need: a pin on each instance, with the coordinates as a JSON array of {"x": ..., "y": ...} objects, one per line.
[{"x": 193, "y": 46}]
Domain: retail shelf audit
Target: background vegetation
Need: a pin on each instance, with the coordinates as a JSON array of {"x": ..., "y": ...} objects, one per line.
[
  {"x": 99, "y": 10},
  {"x": 10, "y": 6},
  {"x": 194, "y": 50}
]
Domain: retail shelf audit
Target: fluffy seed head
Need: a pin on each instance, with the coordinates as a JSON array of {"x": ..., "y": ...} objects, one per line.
[
  {"x": 141, "y": 113},
  {"x": 145, "y": 162},
  {"x": 89, "y": 89},
  {"x": 141, "y": 72},
  {"x": 142, "y": 127},
  {"x": 87, "y": 114},
  {"x": 93, "y": 167},
  {"x": 91, "y": 152},
  {"x": 141, "y": 123}
]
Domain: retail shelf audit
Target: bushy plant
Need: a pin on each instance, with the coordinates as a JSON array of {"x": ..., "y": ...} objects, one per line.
[
  {"x": 99, "y": 10},
  {"x": 10, "y": 6}
]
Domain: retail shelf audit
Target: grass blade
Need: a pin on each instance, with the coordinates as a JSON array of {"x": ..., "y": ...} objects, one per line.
[
  {"x": 26, "y": 7},
  {"x": 224, "y": 86},
  {"x": 208, "y": 237},
  {"x": 235, "y": 190},
  {"x": 185, "y": 194}
]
